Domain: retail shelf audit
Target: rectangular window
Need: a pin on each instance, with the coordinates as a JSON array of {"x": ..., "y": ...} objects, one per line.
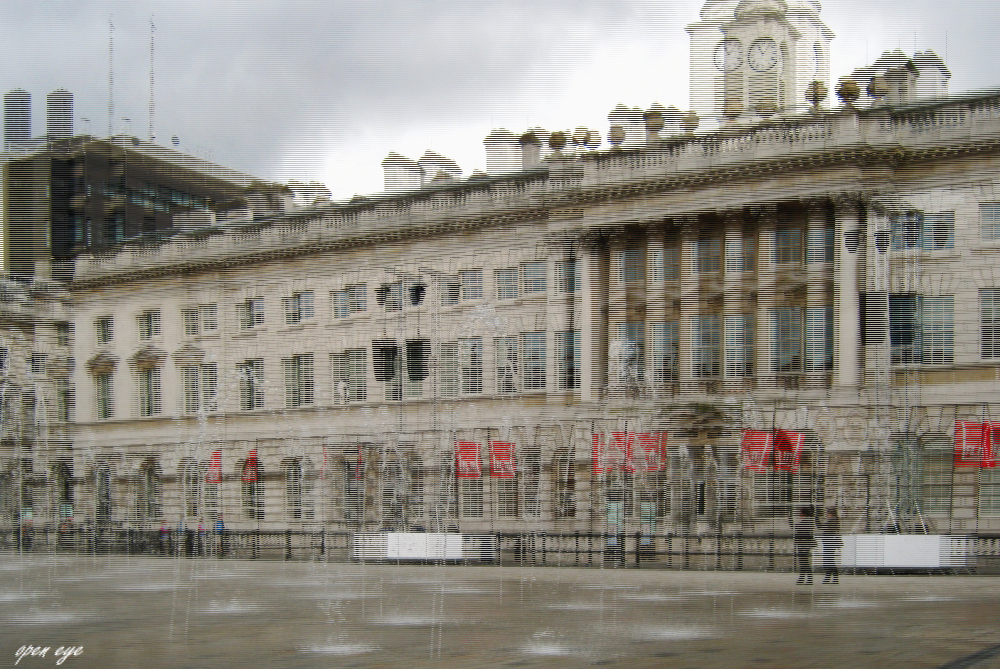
[
  {"x": 820, "y": 244},
  {"x": 349, "y": 376},
  {"x": 63, "y": 334},
  {"x": 209, "y": 316},
  {"x": 470, "y": 362},
  {"x": 671, "y": 260},
  {"x": 471, "y": 492},
  {"x": 739, "y": 345},
  {"x": 632, "y": 357},
  {"x": 709, "y": 255},
  {"x": 192, "y": 322},
  {"x": 351, "y": 300},
  {"x": 937, "y": 329},
  {"x": 533, "y": 360},
  {"x": 251, "y": 380},
  {"x": 706, "y": 334},
  {"x": 451, "y": 292},
  {"x": 104, "y": 327},
  {"x": 250, "y": 313},
  {"x": 104, "y": 395},
  {"x": 472, "y": 284},
  {"x": 566, "y": 276},
  {"x": 38, "y": 363},
  {"x": 665, "y": 349},
  {"x": 298, "y": 307},
  {"x": 989, "y": 490},
  {"x": 148, "y": 324},
  {"x": 788, "y": 245},
  {"x": 533, "y": 276},
  {"x": 734, "y": 255},
  {"x": 298, "y": 380},
  {"x": 200, "y": 383},
  {"x": 819, "y": 339},
  {"x": 506, "y": 280},
  {"x": 632, "y": 266},
  {"x": 508, "y": 380},
  {"x": 921, "y": 328},
  {"x": 989, "y": 323},
  {"x": 149, "y": 391},
  {"x": 4, "y": 361},
  {"x": 989, "y": 220},
  {"x": 927, "y": 231},
  {"x": 786, "y": 326},
  {"x": 449, "y": 369},
  {"x": 64, "y": 400},
  {"x": 568, "y": 359}
]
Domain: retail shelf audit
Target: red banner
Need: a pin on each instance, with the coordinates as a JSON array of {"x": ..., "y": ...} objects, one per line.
[
  {"x": 467, "y": 460},
  {"x": 648, "y": 452},
  {"x": 214, "y": 474},
  {"x": 631, "y": 451},
  {"x": 788, "y": 450},
  {"x": 609, "y": 456},
  {"x": 755, "y": 447},
  {"x": 502, "y": 465},
  {"x": 250, "y": 468},
  {"x": 976, "y": 444}
]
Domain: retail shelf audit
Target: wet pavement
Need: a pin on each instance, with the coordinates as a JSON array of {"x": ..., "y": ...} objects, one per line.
[{"x": 164, "y": 612}]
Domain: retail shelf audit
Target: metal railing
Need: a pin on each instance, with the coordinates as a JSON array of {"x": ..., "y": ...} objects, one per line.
[{"x": 707, "y": 552}]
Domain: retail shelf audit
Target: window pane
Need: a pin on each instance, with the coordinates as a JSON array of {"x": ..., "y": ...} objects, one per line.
[
  {"x": 534, "y": 276},
  {"x": 989, "y": 315},
  {"x": 533, "y": 360}
]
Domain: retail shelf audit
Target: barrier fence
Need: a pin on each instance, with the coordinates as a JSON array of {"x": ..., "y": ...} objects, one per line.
[{"x": 709, "y": 552}]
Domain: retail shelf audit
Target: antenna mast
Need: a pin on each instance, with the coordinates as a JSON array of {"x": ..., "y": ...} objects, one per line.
[
  {"x": 152, "y": 101},
  {"x": 111, "y": 76}
]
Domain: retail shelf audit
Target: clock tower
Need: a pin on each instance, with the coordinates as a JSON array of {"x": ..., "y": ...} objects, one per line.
[{"x": 754, "y": 58}]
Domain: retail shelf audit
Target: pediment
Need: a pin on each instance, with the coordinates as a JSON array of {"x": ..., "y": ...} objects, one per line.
[
  {"x": 102, "y": 363},
  {"x": 189, "y": 354},
  {"x": 147, "y": 358}
]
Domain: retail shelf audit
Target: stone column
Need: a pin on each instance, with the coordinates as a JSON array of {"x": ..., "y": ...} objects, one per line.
[
  {"x": 656, "y": 305},
  {"x": 764, "y": 370},
  {"x": 733, "y": 371},
  {"x": 846, "y": 306},
  {"x": 593, "y": 328},
  {"x": 689, "y": 303},
  {"x": 816, "y": 297}
]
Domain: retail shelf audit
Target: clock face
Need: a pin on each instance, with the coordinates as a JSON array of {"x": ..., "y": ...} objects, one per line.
[
  {"x": 764, "y": 54},
  {"x": 728, "y": 55}
]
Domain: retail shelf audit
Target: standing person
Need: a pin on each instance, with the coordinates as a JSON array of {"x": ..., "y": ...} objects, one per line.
[
  {"x": 804, "y": 539},
  {"x": 832, "y": 541}
]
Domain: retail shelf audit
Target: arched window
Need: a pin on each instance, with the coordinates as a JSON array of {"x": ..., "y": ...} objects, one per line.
[
  {"x": 102, "y": 493},
  {"x": 190, "y": 477},
  {"x": 252, "y": 486},
  {"x": 564, "y": 484},
  {"x": 62, "y": 476},
  {"x": 147, "y": 497},
  {"x": 210, "y": 472},
  {"x": 530, "y": 475},
  {"x": 292, "y": 470},
  {"x": 352, "y": 487}
]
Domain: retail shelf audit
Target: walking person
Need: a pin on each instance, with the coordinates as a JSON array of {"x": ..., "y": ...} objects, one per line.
[
  {"x": 804, "y": 540},
  {"x": 832, "y": 543}
]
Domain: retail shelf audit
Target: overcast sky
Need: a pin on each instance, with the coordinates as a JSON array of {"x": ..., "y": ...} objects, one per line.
[{"x": 323, "y": 90}]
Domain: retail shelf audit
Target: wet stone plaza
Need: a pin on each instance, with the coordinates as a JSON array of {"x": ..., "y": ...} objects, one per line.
[{"x": 168, "y": 612}]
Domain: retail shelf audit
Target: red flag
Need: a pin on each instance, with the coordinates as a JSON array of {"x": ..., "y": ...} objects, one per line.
[
  {"x": 976, "y": 444},
  {"x": 250, "y": 468},
  {"x": 502, "y": 464},
  {"x": 647, "y": 452},
  {"x": 214, "y": 474},
  {"x": 613, "y": 454},
  {"x": 467, "y": 459},
  {"x": 788, "y": 450},
  {"x": 756, "y": 449}
]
